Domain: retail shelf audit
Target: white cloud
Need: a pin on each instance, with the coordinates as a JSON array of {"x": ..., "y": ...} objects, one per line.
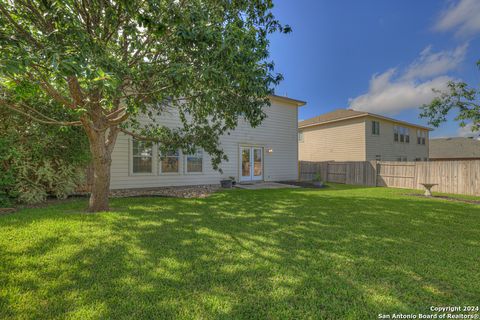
[
  {"x": 466, "y": 131},
  {"x": 394, "y": 91},
  {"x": 431, "y": 64},
  {"x": 463, "y": 16},
  {"x": 388, "y": 96}
]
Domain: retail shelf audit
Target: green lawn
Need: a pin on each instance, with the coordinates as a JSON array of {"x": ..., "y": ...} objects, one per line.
[{"x": 341, "y": 252}]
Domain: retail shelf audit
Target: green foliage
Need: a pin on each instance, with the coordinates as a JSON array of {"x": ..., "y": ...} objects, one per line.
[
  {"x": 39, "y": 160},
  {"x": 88, "y": 59},
  {"x": 317, "y": 177},
  {"x": 459, "y": 98},
  {"x": 34, "y": 181},
  {"x": 7, "y": 178},
  {"x": 5, "y": 200}
]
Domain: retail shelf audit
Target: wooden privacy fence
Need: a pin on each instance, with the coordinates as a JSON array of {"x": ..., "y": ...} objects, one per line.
[{"x": 461, "y": 177}]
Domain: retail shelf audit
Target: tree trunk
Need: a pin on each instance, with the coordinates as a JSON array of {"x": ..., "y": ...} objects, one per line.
[
  {"x": 89, "y": 173},
  {"x": 101, "y": 147},
  {"x": 101, "y": 183}
]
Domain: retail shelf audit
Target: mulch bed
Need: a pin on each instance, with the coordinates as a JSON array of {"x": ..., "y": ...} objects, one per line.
[
  {"x": 200, "y": 191},
  {"x": 7, "y": 210},
  {"x": 302, "y": 184},
  {"x": 445, "y": 198}
]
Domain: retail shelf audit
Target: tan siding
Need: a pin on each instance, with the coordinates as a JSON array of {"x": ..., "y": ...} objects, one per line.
[
  {"x": 278, "y": 132},
  {"x": 338, "y": 141},
  {"x": 389, "y": 150},
  {"x": 352, "y": 140}
]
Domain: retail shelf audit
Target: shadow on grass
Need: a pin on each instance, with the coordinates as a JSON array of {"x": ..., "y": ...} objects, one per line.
[{"x": 292, "y": 253}]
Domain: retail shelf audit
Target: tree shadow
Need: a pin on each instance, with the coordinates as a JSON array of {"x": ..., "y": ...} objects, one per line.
[{"x": 292, "y": 253}]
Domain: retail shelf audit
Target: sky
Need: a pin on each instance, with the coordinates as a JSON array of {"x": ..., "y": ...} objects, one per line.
[{"x": 376, "y": 55}]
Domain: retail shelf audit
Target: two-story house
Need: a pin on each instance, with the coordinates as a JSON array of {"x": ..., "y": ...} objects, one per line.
[
  {"x": 268, "y": 152},
  {"x": 349, "y": 135}
]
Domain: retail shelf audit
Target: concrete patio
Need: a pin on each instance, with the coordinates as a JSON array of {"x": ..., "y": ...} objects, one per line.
[{"x": 264, "y": 185}]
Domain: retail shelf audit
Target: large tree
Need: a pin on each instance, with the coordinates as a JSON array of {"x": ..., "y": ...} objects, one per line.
[
  {"x": 459, "y": 98},
  {"x": 105, "y": 62}
]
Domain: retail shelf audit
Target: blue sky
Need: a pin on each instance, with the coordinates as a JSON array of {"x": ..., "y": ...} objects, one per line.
[{"x": 376, "y": 55}]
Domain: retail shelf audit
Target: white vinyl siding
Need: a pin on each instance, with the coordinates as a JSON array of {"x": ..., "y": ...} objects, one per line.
[{"x": 277, "y": 133}]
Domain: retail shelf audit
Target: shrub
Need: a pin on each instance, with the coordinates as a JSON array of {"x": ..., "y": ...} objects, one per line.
[
  {"x": 5, "y": 200},
  {"x": 35, "y": 181},
  {"x": 37, "y": 160}
]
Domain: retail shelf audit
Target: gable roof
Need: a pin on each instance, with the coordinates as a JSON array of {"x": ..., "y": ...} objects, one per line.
[
  {"x": 451, "y": 148},
  {"x": 344, "y": 114}
]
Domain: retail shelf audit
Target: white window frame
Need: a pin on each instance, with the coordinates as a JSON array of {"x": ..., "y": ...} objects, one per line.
[
  {"x": 160, "y": 158},
  {"x": 132, "y": 156},
  {"x": 421, "y": 137},
  {"x": 375, "y": 128},
  {"x": 403, "y": 133},
  {"x": 185, "y": 160},
  {"x": 300, "y": 136}
]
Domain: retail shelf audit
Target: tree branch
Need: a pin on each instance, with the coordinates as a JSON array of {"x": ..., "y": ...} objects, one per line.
[
  {"x": 19, "y": 28},
  {"x": 118, "y": 120},
  {"x": 47, "y": 87},
  {"x": 139, "y": 137},
  {"x": 75, "y": 91},
  {"x": 52, "y": 121},
  {"x": 115, "y": 113}
]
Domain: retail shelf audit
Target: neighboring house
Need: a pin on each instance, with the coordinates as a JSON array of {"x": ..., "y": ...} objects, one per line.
[
  {"x": 349, "y": 135},
  {"x": 455, "y": 148},
  {"x": 268, "y": 152}
]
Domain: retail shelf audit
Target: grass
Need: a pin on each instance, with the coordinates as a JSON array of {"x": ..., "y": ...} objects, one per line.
[{"x": 340, "y": 253}]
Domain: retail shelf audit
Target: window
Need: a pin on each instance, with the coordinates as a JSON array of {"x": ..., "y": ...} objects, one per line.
[
  {"x": 300, "y": 136},
  {"x": 421, "y": 136},
  {"x": 142, "y": 157},
  {"x": 418, "y": 159},
  {"x": 401, "y": 134},
  {"x": 375, "y": 128},
  {"x": 401, "y": 158},
  {"x": 195, "y": 162},
  {"x": 378, "y": 157},
  {"x": 169, "y": 162}
]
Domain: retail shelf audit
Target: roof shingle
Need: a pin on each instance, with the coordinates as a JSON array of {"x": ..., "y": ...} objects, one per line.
[
  {"x": 451, "y": 148},
  {"x": 341, "y": 114}
]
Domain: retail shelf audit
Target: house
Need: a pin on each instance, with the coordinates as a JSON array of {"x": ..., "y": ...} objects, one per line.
[
  {"x": 268, "y": 152},
  {"x": 349, "y": 135},
  {"x": 457, "y": 148}
]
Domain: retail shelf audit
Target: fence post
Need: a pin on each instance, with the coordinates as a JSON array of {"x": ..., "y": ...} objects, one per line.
[{"x": 299, "y": 166}]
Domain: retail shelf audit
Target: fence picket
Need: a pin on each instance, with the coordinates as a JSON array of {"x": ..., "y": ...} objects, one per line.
[{"x": 460, "y": 177}]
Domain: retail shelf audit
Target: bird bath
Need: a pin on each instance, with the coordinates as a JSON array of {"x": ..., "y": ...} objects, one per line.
[{"x": 428, "y": 187}]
